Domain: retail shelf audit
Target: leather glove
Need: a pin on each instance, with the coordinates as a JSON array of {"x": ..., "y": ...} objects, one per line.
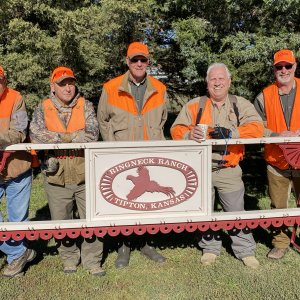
[
  {"x": 220, "y": 133},
  {"x": 66, "y": 137},
  {"x": 51, "y": 166}
]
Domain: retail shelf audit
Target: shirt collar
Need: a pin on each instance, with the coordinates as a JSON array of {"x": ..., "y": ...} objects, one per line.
[
  {"x": 137, "y": 84},
  {"x": 281, "y": 93},
  {"x": 215, "y": 102}
]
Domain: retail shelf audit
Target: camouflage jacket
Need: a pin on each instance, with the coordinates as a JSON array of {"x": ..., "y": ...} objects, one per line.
[{"x": 71, "y": 162}]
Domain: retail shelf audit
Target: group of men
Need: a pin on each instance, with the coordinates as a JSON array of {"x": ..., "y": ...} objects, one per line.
[{"x": 133, "y": 106}]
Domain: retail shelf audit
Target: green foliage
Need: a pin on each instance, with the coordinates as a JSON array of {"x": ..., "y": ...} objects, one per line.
[
  {"x": 184, "y": 36},
  {"x": 192, "y": 36},
  {"x": 181, "y": 277}
]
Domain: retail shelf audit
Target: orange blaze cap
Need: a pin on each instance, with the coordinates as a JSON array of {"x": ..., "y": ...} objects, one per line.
[
  {"x": 284, "y": 55},
  {"x": 61, "y": 73},
  {"x": 137, "y": 48}
]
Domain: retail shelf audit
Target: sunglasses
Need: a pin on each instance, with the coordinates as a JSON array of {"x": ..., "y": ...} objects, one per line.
[
  {"x": 67, "y": 81},
  {"x": 280, "y": 67},
  {"x": 135, "y": 60}
]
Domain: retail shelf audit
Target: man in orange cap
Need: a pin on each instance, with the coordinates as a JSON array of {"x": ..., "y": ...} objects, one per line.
[
  {"x": 66, "y": 117},
  {"x": 15, "y": 173},
  {"x": 133, "y": 107},
  {"x": 279, "y": 107}
]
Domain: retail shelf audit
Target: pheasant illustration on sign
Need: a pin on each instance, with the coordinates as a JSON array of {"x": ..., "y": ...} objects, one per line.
[
  {"x": 139, "y": 184},
  {"x": 143, "y": 183}
]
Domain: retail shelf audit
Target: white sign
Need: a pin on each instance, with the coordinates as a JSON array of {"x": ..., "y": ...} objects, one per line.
[{"x": 142, "y": 183}]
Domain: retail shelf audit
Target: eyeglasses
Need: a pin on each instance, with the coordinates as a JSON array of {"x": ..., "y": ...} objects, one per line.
[
  {"x": 280, "y": 67},
  {"x": 134, "y": 60}
]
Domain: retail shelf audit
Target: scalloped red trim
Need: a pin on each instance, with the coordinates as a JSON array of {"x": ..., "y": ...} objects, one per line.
[{"x": 47, "y": 234}]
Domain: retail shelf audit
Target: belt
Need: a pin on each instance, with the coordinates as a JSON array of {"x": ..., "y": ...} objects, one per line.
[
  {"x": 71, "y": 153},
  {"x": 221, "y": 152}
]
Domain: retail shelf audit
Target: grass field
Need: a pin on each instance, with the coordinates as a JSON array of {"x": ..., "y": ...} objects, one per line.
[{"x": 182, "y": 277}]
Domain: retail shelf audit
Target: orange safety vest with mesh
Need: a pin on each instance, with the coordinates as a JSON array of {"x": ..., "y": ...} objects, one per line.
[
  {"x": 54, "y": 123},
  {"x": 125, "y": 101},
  {"x": 276, "y": 122}
]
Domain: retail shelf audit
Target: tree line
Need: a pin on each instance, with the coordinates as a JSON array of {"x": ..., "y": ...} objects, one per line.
[{"x": 184, "y": 37}]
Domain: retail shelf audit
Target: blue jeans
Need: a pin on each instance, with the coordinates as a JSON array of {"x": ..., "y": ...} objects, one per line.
[{"x": 17, "y": 192}]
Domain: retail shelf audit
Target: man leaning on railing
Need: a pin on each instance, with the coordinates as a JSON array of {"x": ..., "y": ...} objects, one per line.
[
  {"x": 66, "y": 117},
  {"x": 279, "y": 107},
  {"x": 15, "y": 174},
  {"x": 228, "y": 116}
]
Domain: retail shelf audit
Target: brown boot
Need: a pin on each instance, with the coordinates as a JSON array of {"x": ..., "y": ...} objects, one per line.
[
  {"x": 17, "y": 265},
  {"x": 208, "y": 259},
  {"x": 277, "y": 253},
  {"x": 97, "y": 271},
  {"x": 250, "y": 262}
]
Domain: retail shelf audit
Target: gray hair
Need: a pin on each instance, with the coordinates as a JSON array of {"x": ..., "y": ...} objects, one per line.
[{"x": 217, "y": 65}]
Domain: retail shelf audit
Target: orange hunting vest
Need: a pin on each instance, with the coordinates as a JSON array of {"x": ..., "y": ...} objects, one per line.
[
  {"x": 276, "y": 122},
  {"x": 6, "y": 107},
  {"x": 124, "y": 101},
  {"x": 235, "y": 152},
  {"x": 54, "y": 123},
  {"x": 8, "y": 100}
]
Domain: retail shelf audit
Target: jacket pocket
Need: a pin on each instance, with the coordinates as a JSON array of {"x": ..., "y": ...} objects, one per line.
[
  {"x": 232, "y": 118},
  {"x": 156, "y": 133},
  {"x": 79, "y": 169},
  {"x": 121, "y": 134}
]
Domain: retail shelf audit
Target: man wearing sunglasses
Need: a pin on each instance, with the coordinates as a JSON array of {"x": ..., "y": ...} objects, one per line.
[
  {"x": 133, "y": 107},
  {"x": 279, "y": 107}
]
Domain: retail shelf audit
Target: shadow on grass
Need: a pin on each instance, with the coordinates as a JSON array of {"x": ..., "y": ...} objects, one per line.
[
  {"x": 42, "y": 214},
  {"x": 41, "y": 246},
  {"x": 297, "y": 241},
  {"x": 254, "y": 171},
  {"x": 160, "y": 241}
]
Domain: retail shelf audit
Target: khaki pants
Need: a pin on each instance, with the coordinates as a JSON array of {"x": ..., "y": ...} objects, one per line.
[
  {"x": 230, "y": 187},
  {"x": 61, "y": 201},
  {"x": 280, "y": 183}
]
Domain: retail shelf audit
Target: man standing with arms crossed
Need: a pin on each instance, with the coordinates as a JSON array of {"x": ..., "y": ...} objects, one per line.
[
  {"x": 279, "y": 107},
  {"x": 132, "y": 107},
  {"x": 15, "y": 173}
]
